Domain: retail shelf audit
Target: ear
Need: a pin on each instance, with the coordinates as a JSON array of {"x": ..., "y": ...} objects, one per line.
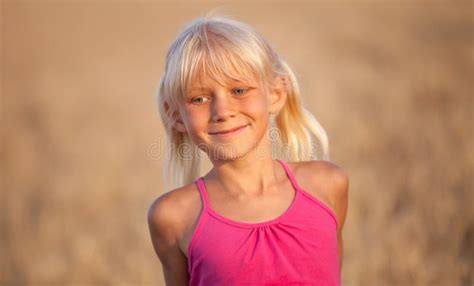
[
  {"x": 178, "y": 121},
  {"x": 278, "y": 94}
]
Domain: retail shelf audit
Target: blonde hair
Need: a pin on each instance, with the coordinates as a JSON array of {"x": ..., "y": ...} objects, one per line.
[{"x": 224, "y": 48}]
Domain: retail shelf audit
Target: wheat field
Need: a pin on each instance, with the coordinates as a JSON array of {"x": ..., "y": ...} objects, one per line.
[{"x": 390, "y": 81}]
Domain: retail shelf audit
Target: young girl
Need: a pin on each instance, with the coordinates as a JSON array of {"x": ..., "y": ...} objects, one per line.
[{"x": 254, "y": 218}]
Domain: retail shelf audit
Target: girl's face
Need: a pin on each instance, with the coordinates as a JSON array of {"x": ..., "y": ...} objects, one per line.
[{"x": 210, "y": 108}]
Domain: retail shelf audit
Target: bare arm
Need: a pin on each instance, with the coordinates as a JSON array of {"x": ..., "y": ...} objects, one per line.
[
  {"x": 339, "y": 196},
  {"x": 164, "y": 228},
  {"x": 341, "y": 249},
  {"x": 336, "y": 183}
]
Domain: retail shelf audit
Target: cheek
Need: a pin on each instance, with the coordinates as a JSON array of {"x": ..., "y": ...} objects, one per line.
[
  {"x": 256, "y": 108},
  {"x": 258, "y": 112},
  {"x": 195, "y": 118}
]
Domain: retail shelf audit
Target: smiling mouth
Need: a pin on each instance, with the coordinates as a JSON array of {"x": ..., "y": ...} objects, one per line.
[{"x": 228, "y": 131}]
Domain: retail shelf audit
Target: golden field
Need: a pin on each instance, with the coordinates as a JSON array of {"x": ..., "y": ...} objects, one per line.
[{"x": 390, "y": 81}]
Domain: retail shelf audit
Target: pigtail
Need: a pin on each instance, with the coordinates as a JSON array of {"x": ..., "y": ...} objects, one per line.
[
  {"x": 301, "y": 135},
  {"x": 182, "y": 158},
  {"x": 182, "y": 161}
]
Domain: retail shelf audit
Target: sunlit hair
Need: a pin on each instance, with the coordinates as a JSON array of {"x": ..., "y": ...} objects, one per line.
[{"x": 223, "y": 48}]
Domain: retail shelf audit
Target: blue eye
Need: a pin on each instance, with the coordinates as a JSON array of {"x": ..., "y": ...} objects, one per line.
[
  {"x": 240, "y": 91},
  {"x": 197, "y": 97}
]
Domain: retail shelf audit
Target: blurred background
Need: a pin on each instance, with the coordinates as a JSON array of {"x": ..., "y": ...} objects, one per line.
[{"x": 390, "y": 81}]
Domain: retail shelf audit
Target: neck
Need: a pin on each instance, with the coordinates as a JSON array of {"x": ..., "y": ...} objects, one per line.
[{"x": 252, "y": 175}]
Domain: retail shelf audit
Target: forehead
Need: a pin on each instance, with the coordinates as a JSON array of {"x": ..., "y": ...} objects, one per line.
[{"x": 202, "y": 81}]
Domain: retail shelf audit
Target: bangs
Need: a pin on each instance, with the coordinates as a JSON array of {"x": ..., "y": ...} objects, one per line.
[{"x": 220, "y": 58}]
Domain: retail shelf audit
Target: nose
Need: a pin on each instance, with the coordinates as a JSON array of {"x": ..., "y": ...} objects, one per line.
[{"x": 221, "y": 107}]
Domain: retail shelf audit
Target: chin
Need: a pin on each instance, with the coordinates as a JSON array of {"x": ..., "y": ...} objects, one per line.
[{"x": 228, "y": 151}]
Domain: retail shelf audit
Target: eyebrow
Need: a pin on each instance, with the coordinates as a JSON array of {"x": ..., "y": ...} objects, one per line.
[
  {"x": 198, "y": 89},
  {"x": 230, "y": 83}
]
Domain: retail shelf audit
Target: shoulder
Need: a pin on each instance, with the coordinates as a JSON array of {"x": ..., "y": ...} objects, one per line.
[
  {"x": 166, "y": 221},
  {"x": 328, "y": 178},
  {"x": 325, "y": 174},
  {"x": 167, "y": 215},
  {"x": 163, "y": 219}
]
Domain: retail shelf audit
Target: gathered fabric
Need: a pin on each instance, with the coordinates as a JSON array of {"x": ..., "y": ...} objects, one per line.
[{"x": 299, "y": 247}]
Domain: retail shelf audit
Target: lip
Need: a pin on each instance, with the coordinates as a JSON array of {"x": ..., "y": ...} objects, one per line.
[{"x": 230, "y": 132}]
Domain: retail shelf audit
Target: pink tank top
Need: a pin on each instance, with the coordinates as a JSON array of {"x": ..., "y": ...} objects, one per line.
[{"x": 299, "y": 247}]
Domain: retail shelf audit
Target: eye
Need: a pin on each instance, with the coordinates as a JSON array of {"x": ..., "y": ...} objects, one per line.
[
  {"x": 195, "y": 99},
  {"x": 240, "y": 91}
]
